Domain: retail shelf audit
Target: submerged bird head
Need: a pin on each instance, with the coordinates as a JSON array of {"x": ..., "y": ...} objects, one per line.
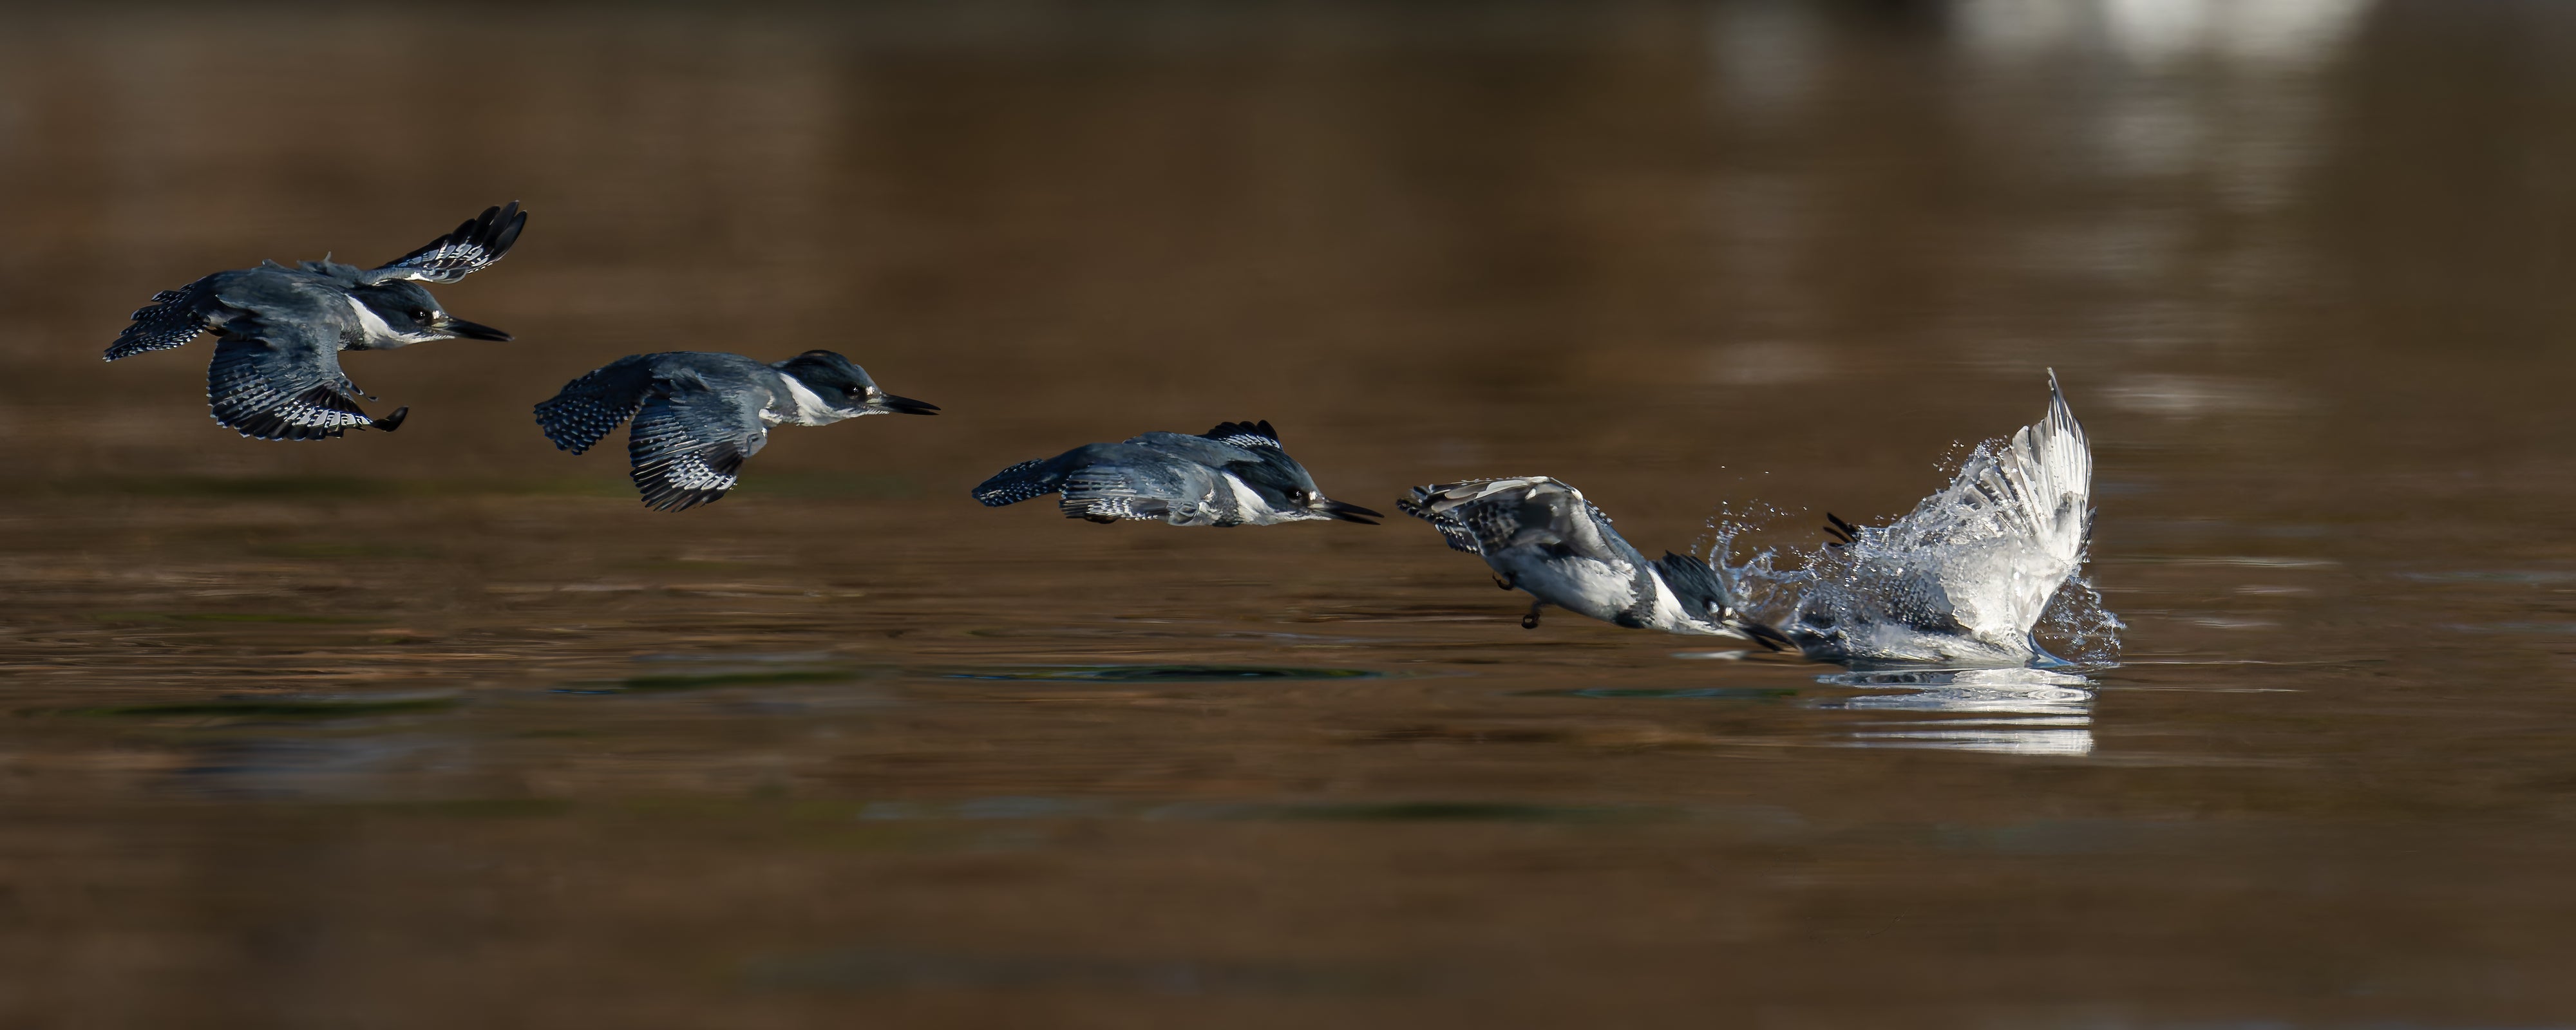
[
  {"x": 399, "y": 313},
  {"x": 846, "y": 387},
  {"x": 1705, "y": 599}
]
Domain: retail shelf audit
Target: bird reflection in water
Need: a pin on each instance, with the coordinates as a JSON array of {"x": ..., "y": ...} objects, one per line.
[{"x": 2007, "y": 711}]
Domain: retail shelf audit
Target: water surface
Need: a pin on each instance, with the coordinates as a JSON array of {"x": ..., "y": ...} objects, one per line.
[{"x": 442, "y": 728}]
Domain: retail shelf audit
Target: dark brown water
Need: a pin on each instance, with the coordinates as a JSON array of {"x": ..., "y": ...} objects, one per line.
[{"x": 441, "y": 729}]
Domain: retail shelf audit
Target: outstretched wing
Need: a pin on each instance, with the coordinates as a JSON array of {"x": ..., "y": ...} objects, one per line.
[
  {"x": 1986, "y": 553},
  {"x": 2053, "y": 465},
  {"x": 1488, "y": 516},
  {"x": 172, "y": 319},
  {"x": 281, "y": 381},
  {"x": 689, "y": 442},
  {"x": 2037, "y": 492},
  {"x": 473, "y": 247},
  {"x": 588, "y": 408}
]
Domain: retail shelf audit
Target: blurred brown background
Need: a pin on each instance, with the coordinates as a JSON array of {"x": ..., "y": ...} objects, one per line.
[{"x": 440, "y": 727}]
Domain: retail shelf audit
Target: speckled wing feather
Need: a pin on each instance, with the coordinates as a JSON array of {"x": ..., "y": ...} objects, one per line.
[
  {"x": 593, "y": 406},
  {"x": 1246, "y": 435},
  {"x": 689, "y": 442},
  {"x": 1421, "y": 506},
  {"x": 1486, "y": 516},
  {"x": 1111, "y": 492},
  {"x": 1035, "y": 478},
  {"x": 172, "y": 319},
  {"x": 473, "y": 247},
  {"x": 281, "y": 381}
]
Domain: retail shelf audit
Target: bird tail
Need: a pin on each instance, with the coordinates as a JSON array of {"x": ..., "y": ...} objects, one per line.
[
  {"x": 1423, "y": 504},
  {"x": 1700, "y": 590},
  {"x": 172, "y": 319},
  {"x": 1020, "y": 482}
]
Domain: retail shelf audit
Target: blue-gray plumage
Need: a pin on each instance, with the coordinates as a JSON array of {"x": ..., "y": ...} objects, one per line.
[
  {"x": 279, "y": 331},
  {"x": 698, "y": 415},
  {"x": 1236, "y": 474},
  {"x": 1544, "y": 538}
]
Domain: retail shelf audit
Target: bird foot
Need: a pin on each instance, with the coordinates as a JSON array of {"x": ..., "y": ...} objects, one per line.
[
  {"x": 1530, "y": 621},
  {"x": 1502, "y": 583},
  {"x": 394, "y": 421}
]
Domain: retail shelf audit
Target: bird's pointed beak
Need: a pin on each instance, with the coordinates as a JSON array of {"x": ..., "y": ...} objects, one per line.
[
  {"x": 903, "y": 405},
  {"x": 1766, "y": 636},
  {"x": 473, "y": 330},
  {"x": 1348, "y": 512}
]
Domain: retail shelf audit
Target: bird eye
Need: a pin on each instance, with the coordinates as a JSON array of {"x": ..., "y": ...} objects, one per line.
[{"x": 420, "y": 314}]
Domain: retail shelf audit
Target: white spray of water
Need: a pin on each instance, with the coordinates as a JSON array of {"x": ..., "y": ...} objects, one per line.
[{"x": 1974, "y": 576}]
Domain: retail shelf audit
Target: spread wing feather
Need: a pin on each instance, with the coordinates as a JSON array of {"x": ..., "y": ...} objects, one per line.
[
  {"x": 473, "y": 247},
  {"x": 689, "y": 442},
  {"x": 1487, "y": 516},
  {"x": 281, "y": 381}
]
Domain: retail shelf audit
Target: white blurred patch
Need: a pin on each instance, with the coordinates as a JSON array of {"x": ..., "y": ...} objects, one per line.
[
  {"x": 2162, "y": 31},
  {"x": 2186, "y": 396},
  {"x": 2010, "y": 711},
  {"x": 1763, "y": 54},
  {"x": 1769, "y": 363}
]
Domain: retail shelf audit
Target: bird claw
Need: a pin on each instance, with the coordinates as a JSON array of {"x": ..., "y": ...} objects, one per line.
[
  {"x": 1530, "y": 620},
  {"x": 1502, "y": 583}
]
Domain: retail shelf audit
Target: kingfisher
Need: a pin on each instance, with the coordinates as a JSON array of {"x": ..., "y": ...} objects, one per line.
[
  {"x": 279, "y": 331},
  {"x": 1237, "y": 474},
  {"x": 1543, "y": 538},
  {"x": 698, "y": 415}
]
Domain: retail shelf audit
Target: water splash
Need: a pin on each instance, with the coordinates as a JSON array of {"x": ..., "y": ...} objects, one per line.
[
  {"x": 1900, "y": 593},
  {"x": 2078, "y": 628}
]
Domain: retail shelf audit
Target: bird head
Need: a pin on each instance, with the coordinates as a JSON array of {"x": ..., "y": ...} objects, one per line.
[
  {"x": 410, "y": 315},
  {"x": 846, "y": 386},
  {"x": 1318, "y": 507},
  {"x": 1288, "y": 489}
]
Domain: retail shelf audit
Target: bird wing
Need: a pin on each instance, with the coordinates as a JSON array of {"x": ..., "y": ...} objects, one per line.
[
  {"x": 280, "y": 379},
  {"x": 1116, "y": 483},
  {"x": 689, "y": 442},
  {"x": 473, "y": 247},
  {"x": 172, "y": 319},
  {"x": 2042, "y": 488},
  {"x": 1203, "y": 450},
  {"x": 588, "y": 408},
  {"x": 1247, "y": 435},
  {"x": 1488, "y": 516},
  {"x": 1995, "y": 545}
]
